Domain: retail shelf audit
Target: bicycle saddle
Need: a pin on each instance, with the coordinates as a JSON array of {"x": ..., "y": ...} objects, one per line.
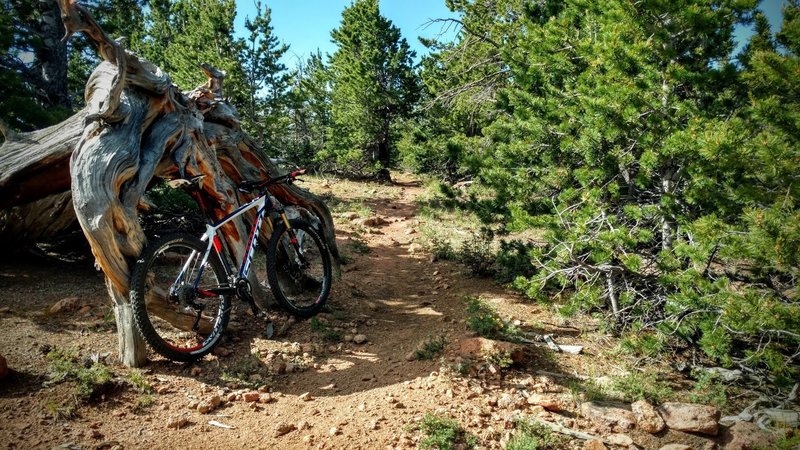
[{"x": 182, "y": 182}]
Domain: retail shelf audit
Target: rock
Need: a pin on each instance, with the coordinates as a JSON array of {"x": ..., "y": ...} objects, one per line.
[
  {"x": 282, "y": 428},
  {"x": 360, "y": 339},
  {"x": 594, "y": 444},
  {"x": 647, "y": 418},
  {"x": 3, "y": 367},
  {"x": 415, "y": 248},
  {"x": 537, "y": 410},
  {"x": 251, "y": 396},
  {"x": 215, "y": 401},
  {"x": 204, "y": 407},
  {"x": 306, "y": 397},
  {"x": 676, "y": 447},
  {"x": 196, "y": 371},
  {"x": 614, "y": 418},
  {"x": 177, "y": 422},
  {"x": 279, "y": 367},
  {"x": 746, "y": 436},
  {"x": 691, "y": 417},
  {"x": 374, "y": 222},
  {"x": 221, "y": 351},
  {"x": 265, "y": 398},
  {"x": 303, "y": 425},
  {"x": 548, "y": 402},
  {"x": 231, "y": 397},
  {"x": 348, "y": 338},
  {"x": 65, "y": 305},
  {"x": 506, "y": 401},
  {"x": 333, "y": 431},
  {"x": 622, "y": 440},
  {"x": 478, "y": 348}
]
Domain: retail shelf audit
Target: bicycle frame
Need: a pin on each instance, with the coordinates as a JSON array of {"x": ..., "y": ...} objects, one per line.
[{"x": 263, "y": 203}]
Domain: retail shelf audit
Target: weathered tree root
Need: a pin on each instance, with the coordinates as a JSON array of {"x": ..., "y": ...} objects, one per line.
[{"x": 136, "y": 126}]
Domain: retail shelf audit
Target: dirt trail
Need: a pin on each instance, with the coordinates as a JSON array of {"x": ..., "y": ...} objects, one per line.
[{"x": 356, "y": 395}]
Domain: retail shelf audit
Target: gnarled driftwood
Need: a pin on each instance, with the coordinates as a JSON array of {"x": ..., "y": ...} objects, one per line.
[{"x": 136, "y": 126}]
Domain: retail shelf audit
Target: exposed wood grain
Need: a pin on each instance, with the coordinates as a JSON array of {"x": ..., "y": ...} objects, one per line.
[{"x": 136, "y": 126}]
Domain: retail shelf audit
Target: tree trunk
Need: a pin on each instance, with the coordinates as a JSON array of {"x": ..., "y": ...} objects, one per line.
[
  {"x": 136, "y": 126},
  {"x": 52, "y": 55}
]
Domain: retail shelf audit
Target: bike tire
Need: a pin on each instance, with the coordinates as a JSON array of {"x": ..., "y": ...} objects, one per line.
[
  {"x": 155, "y": 274},
  {"x": 302, "y": 290}
]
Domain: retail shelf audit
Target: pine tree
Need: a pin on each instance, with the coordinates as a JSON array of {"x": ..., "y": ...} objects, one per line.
[
  {"x": 461, "y": 80},
  {"x": 183, "y": 32},
  {"x": 373, "y": 86},
  {"x": 309, "y": 110},
  {"x": 33, "y": 79},
  {"x": 267, "y": 83}
]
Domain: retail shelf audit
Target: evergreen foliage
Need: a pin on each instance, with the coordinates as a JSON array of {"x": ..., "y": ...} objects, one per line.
[
  {"x": 660, "y": 171},
  {"x": 33, "y": 90},
  {"x": 373, "y": 86},
  {"x": 309, "y": 110},
  {"x": 267, "y": 83}
]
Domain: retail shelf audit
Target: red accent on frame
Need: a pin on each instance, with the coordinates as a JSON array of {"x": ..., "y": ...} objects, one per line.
[{"x": 217, "y": 244}]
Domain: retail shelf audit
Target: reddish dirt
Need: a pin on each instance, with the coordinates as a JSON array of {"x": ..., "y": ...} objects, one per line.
[{"x": 362, "y": 396}]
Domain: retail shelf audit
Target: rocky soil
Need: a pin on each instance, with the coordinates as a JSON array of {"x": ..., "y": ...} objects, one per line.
[{"x": 351, "y": 378}]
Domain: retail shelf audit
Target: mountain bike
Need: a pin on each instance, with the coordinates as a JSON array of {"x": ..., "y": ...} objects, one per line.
[{"x": 182, "y": 286}]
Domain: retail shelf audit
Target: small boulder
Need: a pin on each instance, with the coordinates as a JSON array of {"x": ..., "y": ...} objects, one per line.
[
  {"x": 691, "y": 417},
  {"x": 215, "y": 401},
  {"x": 746, "y": 436},
  {"x": 647, "y": 418},
  {"x": 548, "y": 402},
  {"x": 594, "y": 444},
  {"x": 374, "y": 222},
  {"x": 612, "y": 417},
  {"x": 360, "y": 338},
  {"x": 306, "y": 397},
  {"x": 282, "y": 428},
  {"x": 205, "y": 407},
  {"x": 620, "y": 440},
  {"x": 65, "y": 305},
  {"x": 177, "y": 422},
  {"x": 478, "y": 347},
  {"x": 676, "y": 447},
  {"x": 251, "y": 396}
]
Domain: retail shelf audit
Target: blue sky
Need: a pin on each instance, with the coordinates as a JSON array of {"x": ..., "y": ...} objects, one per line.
[{"x": 306, "y": 24}]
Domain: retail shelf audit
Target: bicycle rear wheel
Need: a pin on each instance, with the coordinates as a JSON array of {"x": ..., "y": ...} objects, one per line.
[
  {"x": 173, "y": 318},
  {"x": 298, "y": 268}
]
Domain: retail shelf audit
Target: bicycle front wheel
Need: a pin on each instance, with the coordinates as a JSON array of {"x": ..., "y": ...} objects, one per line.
[
  {"x": 298, "y": 268},
  {"x": 170, "y": 298}
]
